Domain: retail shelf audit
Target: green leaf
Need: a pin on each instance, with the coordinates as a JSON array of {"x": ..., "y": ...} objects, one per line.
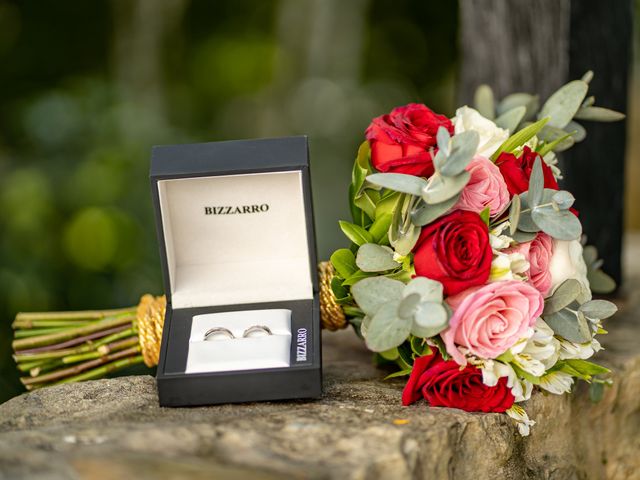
[
  {"x": 399, "y": 373},
  {"x": 530, "y": 102},
  {"x": 599, "y": 114},
  {"x": 558, "y": 138},
  {"x": 463, "y": 148},
  {"x": 399, "y": 182},
  {"x": 562, "y": 225},
  {"x": 355, "y": 233},
  {"x": 375, "y": 258},
  {"x": 387, "y": 204},
  {"x": 344, "y": 262},
  {"x": 485, "y": 215},
  {"x": 429, "y": 290},
  {"x": 598, "y": 309},
  {"x": 356, "y": 277},
  {"x": 600, "y": 282},
  {"x": 419, "y": 346},
  {"x": 440, "y": 188},
  {"x": 387, "y": 329},
  {"x": 536, "y": 184},
  {"x": 372, "y": 293},
  {"x": 596, "y": 392},
  {"x": 425, "y": 213},
  {"x": 380, "y": 227},
  {"x": 514, "y": 214},
  {"x": 519, "y": 138},
  {"x": 570, "y": 325},
  {"x": 390, "y": 354},
  {"x": 587, "y": 77},
  {"x": 366, "y": 201},
  {"x": 443, "y": 138},
  {"x": 484, "y": 102},
  {"x": 564, "y": 103},
  {"x": 338, "y": 290},
  {"x": 566, "y": 293},
  {"x": 510, "y": 119},
  {"x": 587, "y": 368},
  {"x": 524, "y": 374},
  {"x": 563, "y": 199}
]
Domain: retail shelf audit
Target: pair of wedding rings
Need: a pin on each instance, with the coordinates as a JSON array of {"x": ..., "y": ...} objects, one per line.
[{"x": 253, "y": 331}]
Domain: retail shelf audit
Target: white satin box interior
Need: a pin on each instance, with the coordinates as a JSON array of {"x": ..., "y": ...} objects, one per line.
[{"x": 235, "y": 227}]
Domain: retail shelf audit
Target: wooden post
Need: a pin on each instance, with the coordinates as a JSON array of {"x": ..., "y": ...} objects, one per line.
[{"x": 538, "y": 45}]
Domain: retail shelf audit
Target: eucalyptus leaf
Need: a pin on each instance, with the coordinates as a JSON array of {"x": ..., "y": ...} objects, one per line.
[
  {"x": 563, "y": 199},
  {"x": 561, "y": 225},
  {"x": 344, "y": 262},
  {"x": 375, "y": 258},
  {"x": 566, "y": 293},
  {"x": 430, "y": 319},
  {"x": 355, "y": 233},
  {"x": 405, "y": 242},
  {"x": 579, "y": 132},
  {"x": 387, "y": 330},
  {"x": 587, "y": 77},
  {"x": 569, "y": 325},
  {"x": 425, "y": 213},
  {"x": 439, "y": 160},
  {"x": 564, "y": 103},
  {"x": 374, "y": 292},
  {"x": 408, "y": 305},
  {"x": 463, "y": 148},
  {"x": 589, "y": 101},
  {"x": 440, "y": 188},
  {"x": 555, "y": 139},
  {"x": 525, "y": 222},
  {"x": 530, "y": 102},
  {"x": 399, "y": 182},
  {"x": 443, "y": 138},
  {"x": 598, "y": 309},
  {"x": 514, "y": 214},
  {"x": 599, "y": 114},
  {"x": 484, "y": 102},
  {"x": 523, "y": 237},
  {"x": 590, "y": 254},
  {"x": 536, "y": 184},
  {"x": 510, "y": 119},
  {"x": 600, "y": 282},
  {"x": 519, "y": 138},
  {"x": 596, "y": 392},
  {"x": 429, "y": 290}
]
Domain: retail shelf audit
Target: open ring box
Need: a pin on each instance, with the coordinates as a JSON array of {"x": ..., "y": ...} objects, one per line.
[{"x": 237, "y": 245}]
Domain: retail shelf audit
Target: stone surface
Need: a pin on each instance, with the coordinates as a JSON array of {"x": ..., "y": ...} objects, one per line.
[{"x": 114, "y": 429}]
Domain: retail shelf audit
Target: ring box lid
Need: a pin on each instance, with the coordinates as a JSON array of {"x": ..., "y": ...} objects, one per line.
[{"x": 235, "y": 222}]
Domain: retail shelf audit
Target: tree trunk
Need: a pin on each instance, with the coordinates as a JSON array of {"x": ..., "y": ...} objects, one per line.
[{"x": 538, "y": 45}]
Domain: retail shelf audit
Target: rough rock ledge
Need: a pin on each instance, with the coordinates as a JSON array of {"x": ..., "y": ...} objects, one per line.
[{"x": 114, "y": 429}]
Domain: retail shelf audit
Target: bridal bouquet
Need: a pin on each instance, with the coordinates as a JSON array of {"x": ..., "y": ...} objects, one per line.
[{"x": 466, "y": 267}]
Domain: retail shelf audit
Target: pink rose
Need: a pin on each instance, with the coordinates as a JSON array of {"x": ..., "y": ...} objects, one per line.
[
  {"x": 486, "y": 188},
  {"x": 488, "y": 320},
  {"x": 538, "y": 253}
]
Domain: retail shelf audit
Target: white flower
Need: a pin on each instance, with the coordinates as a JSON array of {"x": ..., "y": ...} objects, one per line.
[
  {"x": 582, "y": 351},
  {"x": 552, "y": 160},
  {"x": 497, "y": 239},
  {"x": 567, "y": 262},
  {"x": 493, "y": 370},
  {"x": 542, "y": 345},
  {"x": 522, "y": 419},
  {"x": 491, "y": 136},
  {"x": 508, "y": 266},
  {"x": 556, "y": 382}
]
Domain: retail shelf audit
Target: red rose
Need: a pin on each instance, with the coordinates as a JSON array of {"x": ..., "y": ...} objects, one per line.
[
  {"x": 444, "y": 384},
  {"x": 517, "y": 170},
  {"x": 455, "y": 251},
  {"x": 404, "y": 141}
]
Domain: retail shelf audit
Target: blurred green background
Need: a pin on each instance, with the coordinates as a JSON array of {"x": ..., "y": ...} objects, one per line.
[{"x": 87, "y": 87}]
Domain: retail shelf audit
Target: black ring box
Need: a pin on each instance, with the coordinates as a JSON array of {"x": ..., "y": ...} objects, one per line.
[{"x": 219, "y": 161}]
